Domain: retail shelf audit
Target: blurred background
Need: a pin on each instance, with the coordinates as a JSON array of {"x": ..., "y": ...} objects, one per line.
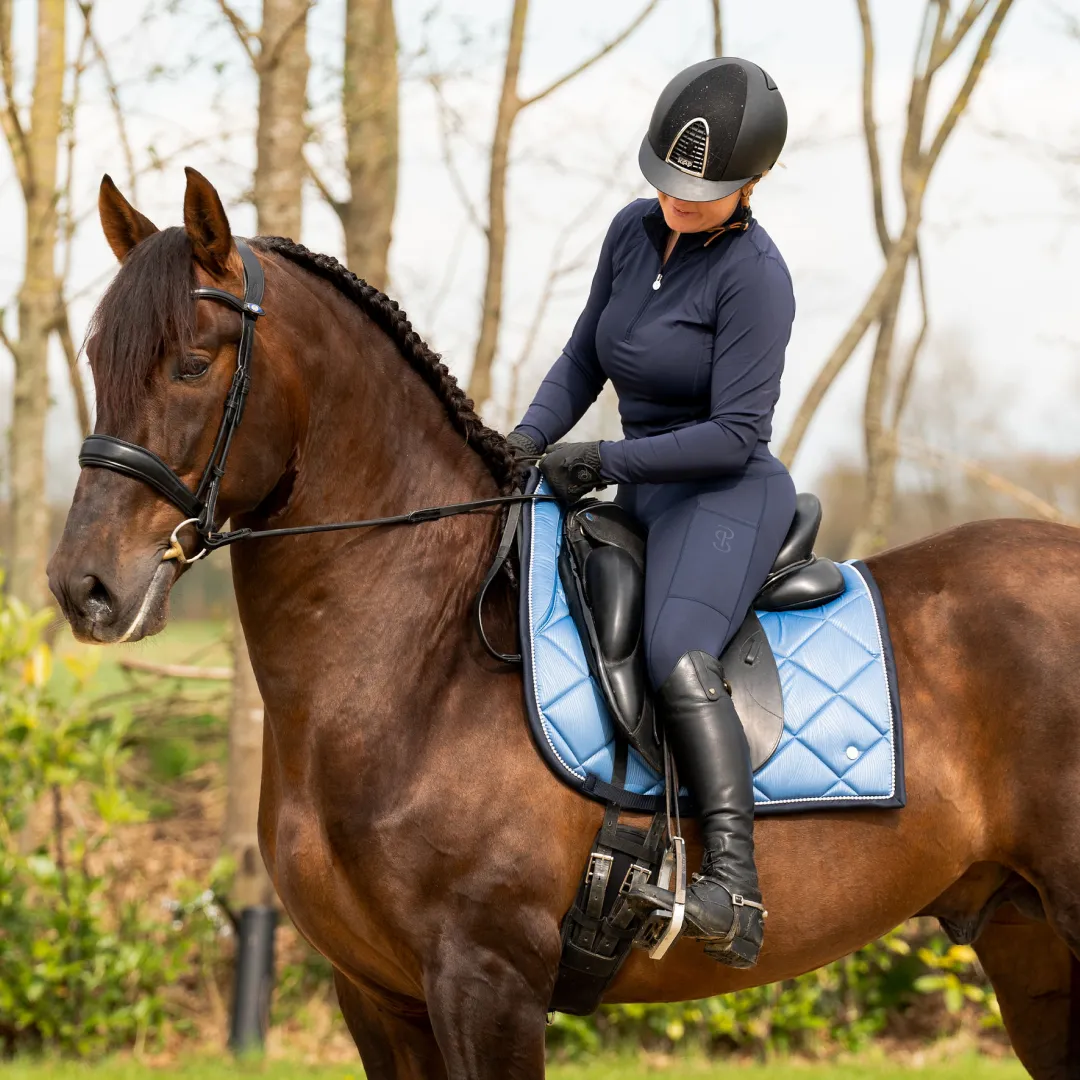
[{"x": 466, "y": 156}]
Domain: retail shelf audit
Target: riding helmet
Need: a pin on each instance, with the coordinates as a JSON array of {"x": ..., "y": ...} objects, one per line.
[{"x": 716, "y": 126}]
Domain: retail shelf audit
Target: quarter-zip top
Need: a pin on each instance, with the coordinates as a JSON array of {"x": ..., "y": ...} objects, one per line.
[{"x": 694, "y": 348}]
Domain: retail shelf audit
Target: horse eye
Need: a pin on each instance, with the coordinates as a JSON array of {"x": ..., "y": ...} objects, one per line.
[{"x": 192, "y": 367}]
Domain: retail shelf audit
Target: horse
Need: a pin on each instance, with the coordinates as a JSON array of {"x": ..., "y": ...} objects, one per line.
[{"x": 412, "y": 832}]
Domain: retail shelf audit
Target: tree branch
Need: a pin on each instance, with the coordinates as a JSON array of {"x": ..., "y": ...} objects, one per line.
[
  {"x": 587, "y": 63},
  {"x": 71, "y": 355},
  {"x": 243, "y": 31},
  {"x": 963, "y": 96},
  {"x": 870, "y": 125},
  {"x": 449, "y": 121},
  {"x": 340, "y": 208},
  {"x": 948, "y": 46},
  {"x": 4, "y": 339},
  {"x": 718, "y": 29},
  {"x": 14, "y": 131},
  {"x": 916, "y": 448},
  {"x": 113, "y": 90},
  {"x": 871, "y": 310},
  {"x": 921, "y": 77},
  {"x": 903, "y": 388}
]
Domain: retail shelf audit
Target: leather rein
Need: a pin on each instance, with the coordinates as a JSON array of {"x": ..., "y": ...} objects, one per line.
[{"x": 200, "y": 506}]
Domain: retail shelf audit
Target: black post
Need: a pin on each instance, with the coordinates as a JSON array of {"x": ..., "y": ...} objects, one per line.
[{"x": 254, "y": 979}]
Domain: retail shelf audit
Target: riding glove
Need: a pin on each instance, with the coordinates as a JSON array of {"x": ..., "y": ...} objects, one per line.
[
  {"x": 572, "y": 470},
  {"x": 525, "y": 451}
]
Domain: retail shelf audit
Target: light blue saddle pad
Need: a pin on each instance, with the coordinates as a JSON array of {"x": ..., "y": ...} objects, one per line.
[{"x": 841, "y": 746}]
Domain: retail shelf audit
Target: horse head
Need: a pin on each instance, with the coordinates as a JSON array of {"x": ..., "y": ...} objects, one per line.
[{"x": 163, "y": 364}]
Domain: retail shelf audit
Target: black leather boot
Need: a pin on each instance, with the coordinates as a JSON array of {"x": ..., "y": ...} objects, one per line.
[{"x": 723, "y": 903}]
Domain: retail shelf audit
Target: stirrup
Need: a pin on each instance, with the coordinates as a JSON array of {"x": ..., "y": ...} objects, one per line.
[{"x": 664, "y": 922}]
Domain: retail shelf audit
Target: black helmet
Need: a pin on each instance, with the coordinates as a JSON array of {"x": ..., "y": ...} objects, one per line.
[{"x": 716, "y": 126}]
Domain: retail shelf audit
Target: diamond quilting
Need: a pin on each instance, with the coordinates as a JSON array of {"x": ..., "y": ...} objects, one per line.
[{"x": 832, "y": 674}]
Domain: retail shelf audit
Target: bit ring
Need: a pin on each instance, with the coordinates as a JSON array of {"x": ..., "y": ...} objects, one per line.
[{"x": 175, "y": 549}]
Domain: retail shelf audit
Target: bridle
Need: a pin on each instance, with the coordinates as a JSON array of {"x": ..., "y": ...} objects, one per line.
[{"x": 199, "y": 506}]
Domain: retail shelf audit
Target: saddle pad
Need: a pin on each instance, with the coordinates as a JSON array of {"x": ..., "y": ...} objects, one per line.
[{"x": 841, "y": 746}]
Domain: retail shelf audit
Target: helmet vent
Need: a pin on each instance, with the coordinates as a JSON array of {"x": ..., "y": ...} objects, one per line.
[{"x": 690, "y": 148}]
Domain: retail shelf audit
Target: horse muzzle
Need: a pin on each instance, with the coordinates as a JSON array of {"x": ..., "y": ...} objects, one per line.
[{"x": 107, "y": 604}]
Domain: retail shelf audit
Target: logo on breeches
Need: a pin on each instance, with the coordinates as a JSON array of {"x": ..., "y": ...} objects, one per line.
[{"x": 724, "y": 536}]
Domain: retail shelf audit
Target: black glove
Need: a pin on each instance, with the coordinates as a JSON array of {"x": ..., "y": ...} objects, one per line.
[
  {"x": 572, "y": 470},
  {"x": 525, "y": 451}
]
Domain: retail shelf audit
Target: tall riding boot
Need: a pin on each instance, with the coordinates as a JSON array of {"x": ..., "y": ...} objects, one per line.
[{"x": 723, "y": 904}]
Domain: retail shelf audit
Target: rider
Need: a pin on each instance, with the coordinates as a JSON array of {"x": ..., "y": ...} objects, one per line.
[{"x": 689, "y": 314}]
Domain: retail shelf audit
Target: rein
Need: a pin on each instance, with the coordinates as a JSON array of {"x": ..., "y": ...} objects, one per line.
[{"x": 130, "y": 459}]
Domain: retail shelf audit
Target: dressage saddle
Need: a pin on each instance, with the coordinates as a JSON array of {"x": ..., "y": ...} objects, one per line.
[{"x": 602, "y": 566}]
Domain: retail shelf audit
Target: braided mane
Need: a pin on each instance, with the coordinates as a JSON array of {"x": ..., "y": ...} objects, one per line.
[{"x": 388, "y": 316}]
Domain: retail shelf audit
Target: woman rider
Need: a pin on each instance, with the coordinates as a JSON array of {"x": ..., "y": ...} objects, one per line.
[{"x": 689, "y": 314}]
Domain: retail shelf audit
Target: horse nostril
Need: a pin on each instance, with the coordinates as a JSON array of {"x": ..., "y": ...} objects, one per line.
[{"x": 96, "y": 600}]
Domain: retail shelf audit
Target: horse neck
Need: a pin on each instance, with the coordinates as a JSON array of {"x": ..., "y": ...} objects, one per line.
[{"x": 339, "y": 623}]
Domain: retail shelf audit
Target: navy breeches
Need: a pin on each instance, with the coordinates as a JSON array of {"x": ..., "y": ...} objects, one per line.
[{"x": 710, "y": 548}]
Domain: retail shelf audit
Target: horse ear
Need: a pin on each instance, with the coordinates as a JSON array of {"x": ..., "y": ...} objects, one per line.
[
  {"x": 123, "y": 225},
  {"x": 206, "y": 224}
]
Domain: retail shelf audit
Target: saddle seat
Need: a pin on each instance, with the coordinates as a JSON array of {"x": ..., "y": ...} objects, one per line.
[{"x": 602, "y": 566}]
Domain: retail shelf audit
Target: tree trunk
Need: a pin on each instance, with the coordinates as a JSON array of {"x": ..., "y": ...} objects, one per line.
[
  {"x": 282, "y": 68},
  {"x": 370, "y": 105},
  {"x": 37, "y": 313},
  {"x": 892, "y": 272},
  {"x": 251, "y": 884},
  {"x": 937, "y": 46},
  {"x": 880, "y": 438},
  {"x": 718, "y": 29},
  {"x": 491, "y": 317}
]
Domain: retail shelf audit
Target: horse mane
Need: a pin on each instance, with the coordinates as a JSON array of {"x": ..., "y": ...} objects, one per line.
[
  {"x": 388, "y": 316},
  {"x": 149, "y": 304}
]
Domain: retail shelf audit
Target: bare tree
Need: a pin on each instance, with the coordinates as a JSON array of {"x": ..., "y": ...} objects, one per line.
[
  {"x": 938, "y": 42},
  {"x": 511, "y": 104},
  {"x": 369, "y": 100},
  {"x": 279, "y": 56},
  {"x": 278, "y": 53},
  {"x": 33, "y": 138}
]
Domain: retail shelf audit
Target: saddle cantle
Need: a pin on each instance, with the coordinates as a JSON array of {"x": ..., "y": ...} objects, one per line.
[{"x": 602, "y": 567}]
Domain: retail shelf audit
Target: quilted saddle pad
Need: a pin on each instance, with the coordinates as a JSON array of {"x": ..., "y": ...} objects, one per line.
[{"x": 841, "y": 746}]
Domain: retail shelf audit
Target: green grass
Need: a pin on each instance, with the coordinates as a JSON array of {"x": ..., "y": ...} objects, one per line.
[{"x": 967, "y": 1068}]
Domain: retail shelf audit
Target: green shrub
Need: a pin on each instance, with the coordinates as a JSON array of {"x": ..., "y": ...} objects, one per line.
[
  {"x": 841, "y": 1006},
  {"x": 79, "y": 972}
]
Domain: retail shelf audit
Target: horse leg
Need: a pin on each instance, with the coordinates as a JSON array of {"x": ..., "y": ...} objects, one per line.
[
  {"x": 1037, "y": 981},
  {"x": 489, "y": 1020},
  {"x": 393, "y": 1046}
]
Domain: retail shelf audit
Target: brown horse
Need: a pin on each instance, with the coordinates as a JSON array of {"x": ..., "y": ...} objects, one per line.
[{"x": 412, "y": 832}]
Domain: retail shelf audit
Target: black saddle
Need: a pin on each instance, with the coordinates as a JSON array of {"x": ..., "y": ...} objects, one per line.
[{"x": 602, "y": 566}]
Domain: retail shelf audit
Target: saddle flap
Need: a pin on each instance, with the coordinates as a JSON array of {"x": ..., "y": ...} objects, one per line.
[
  {"x": 754, "y": 682},
  {"x": 602, "y": 566}
]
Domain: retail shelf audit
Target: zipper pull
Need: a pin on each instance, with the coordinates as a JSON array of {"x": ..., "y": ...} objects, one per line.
[{"x": 656, "y": 283}]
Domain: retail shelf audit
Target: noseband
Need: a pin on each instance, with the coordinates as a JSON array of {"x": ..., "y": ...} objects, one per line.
[{"x": 198, "y": 507}]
